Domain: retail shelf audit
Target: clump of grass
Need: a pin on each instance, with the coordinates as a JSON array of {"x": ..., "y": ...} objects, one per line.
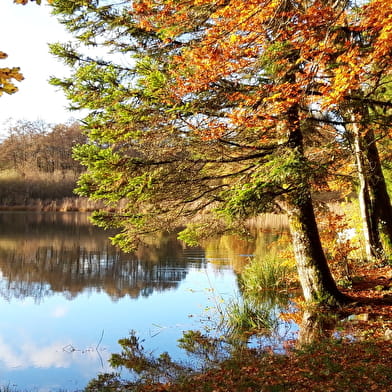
[
  {"x": 247, "y": 317},
  {"x": 263, "y": 277}
]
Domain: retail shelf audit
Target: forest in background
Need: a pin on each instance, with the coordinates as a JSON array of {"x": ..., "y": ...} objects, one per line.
[{"x": 37, "y": 170}]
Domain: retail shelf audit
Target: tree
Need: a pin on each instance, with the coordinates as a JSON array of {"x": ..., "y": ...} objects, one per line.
[
  {"x": 358, "y": 83},
  {"x": 209, "y": 120},
  {"x": 216, "y": 86}
]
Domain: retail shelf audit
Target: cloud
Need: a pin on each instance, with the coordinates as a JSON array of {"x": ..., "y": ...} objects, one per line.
[
  {"x": 30, "y": 354},
  {"x": 60, "y": 311},
  {"x": 56, "y": 354}
]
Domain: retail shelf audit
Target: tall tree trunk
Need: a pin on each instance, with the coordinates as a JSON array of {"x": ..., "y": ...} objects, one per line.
[
  {"x": 316, "y": 279},
  {"x": 373, "y": 245},
  {"x": 314, "y": 274},
  {"x": 382, "y": 208}
]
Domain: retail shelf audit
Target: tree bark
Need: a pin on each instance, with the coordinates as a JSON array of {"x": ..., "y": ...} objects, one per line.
[
  {"x": 314, "y": 274},
  {"x": 382, "y": 208},
  {"x": 373, "y": 245}
]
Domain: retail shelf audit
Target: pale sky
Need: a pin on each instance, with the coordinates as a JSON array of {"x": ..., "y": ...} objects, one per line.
[{"x": 24, "y": 34}]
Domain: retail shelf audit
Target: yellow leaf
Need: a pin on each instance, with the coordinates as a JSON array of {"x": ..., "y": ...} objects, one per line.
[{"x": 233, "y": 38}]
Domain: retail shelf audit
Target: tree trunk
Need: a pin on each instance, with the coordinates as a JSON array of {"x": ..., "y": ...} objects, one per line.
[
  {"x": 373, "y": 245},
  {"x": 382, "y": 211},
  {"x": 316, "y": 279}
]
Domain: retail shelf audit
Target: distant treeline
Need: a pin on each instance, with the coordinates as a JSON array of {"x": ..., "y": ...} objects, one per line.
[{"x": 37, "y": 170}]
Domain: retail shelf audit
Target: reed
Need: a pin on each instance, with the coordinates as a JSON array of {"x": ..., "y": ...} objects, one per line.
[
  {"x": 269, "y": 222},
  {"x": 18, "y": 190},
  {"x": 66, "y": 204},
  {"x": 37, "y": 191}
]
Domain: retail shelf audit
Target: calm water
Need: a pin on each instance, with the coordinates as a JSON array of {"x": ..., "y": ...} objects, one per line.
[{"x": 67, "y": 296}]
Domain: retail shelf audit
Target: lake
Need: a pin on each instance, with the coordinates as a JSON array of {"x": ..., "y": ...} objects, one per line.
[{"x": 67, "y": 296}]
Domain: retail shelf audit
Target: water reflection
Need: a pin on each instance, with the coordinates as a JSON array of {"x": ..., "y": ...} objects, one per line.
[
  {"x": 315, "y": 326},
  {"x": 46, "y": 253},
  {"x": 41, "y": 254}
]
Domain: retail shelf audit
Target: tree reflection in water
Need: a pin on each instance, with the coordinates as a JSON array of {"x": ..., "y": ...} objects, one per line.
[
  {"x": 208, "y": 352},
  {"x": 46, "y": 253},
  {"x": 41, "y": 254},
  {"x": 315, "y": 326}
]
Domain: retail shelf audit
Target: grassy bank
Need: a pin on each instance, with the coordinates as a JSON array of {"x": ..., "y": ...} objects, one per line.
[{"x": 329, "y": 365}]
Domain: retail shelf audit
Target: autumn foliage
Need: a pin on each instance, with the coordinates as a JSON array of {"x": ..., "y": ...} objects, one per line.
[
  {"x": 333, "y": 49},
  {"x": 322, "y": 64},
  {"x": 9, "y": 75}
]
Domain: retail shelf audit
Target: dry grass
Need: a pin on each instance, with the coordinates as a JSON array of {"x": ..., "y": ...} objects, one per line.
[
  {"x": 269, "y": 222},
  {"x": 37, "y": 191}
]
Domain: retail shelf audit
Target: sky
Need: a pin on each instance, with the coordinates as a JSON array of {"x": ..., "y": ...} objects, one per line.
[{"x": 25, "y": 32}]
